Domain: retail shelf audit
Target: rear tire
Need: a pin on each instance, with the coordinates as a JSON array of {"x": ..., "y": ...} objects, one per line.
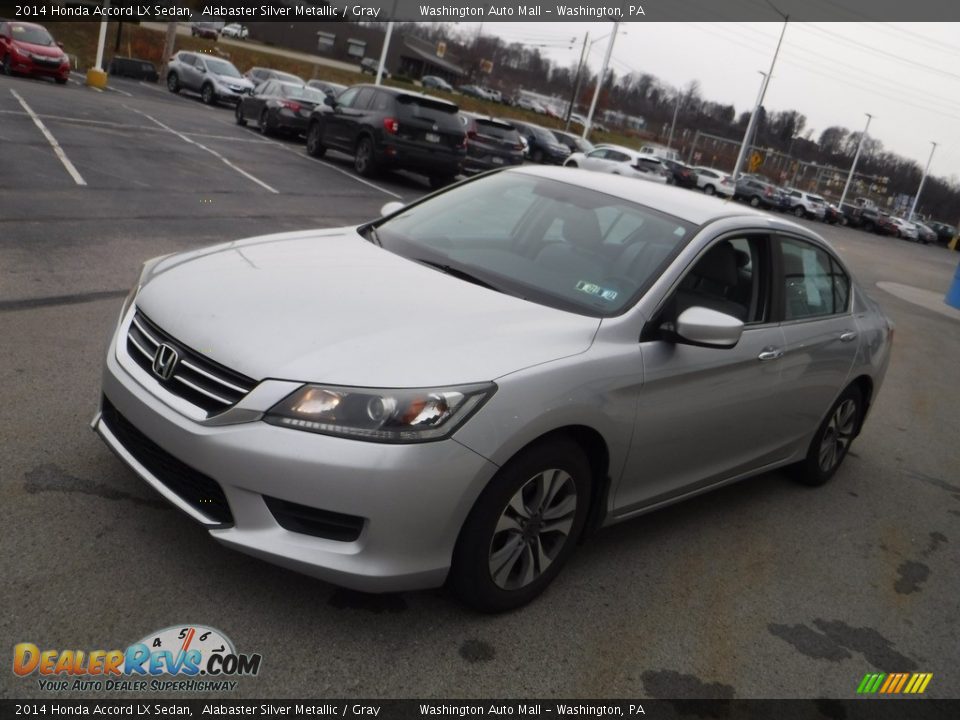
[
  {"x": 798, "y": 211},
  {"x": 238, "y": 113},
  {"x": 709, "y": 190},
  {"x": 523, "y": 527},
  {"x": 571, "y": 164},
  {"x": 754, "y": 201},
  {"x": 537, "y": 156},
  {"x": 315, "y": 146},
  {"x": 363, "y": 160},
  {"x": 263, "y": 124},
  {"x": 60, "y": 81},
  {"x": 173, "y": 83},
  {"x": 869, "y": 226},
  {"x": 832, "y": 440}
]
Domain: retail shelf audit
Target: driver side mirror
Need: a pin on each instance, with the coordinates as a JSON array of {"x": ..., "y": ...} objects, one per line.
[
  {"x": 703, "y": 326},
  {"x": 330, "y": 101}
]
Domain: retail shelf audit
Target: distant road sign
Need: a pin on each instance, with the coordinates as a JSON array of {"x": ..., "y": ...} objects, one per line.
[{"x": 756, "y": 160}]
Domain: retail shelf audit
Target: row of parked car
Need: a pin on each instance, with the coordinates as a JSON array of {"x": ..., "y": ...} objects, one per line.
[{"x": 388, "y": 127}]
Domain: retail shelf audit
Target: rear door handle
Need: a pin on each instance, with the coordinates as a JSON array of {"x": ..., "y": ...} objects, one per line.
[
  {"x": 848, "y": 336},
  {"x": 770, "y": 354}
]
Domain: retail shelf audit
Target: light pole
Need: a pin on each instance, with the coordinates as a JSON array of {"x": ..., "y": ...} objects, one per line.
[
  {"x": 916, "y": 199},
  {"x": 600, "y": 80},
  {"x": 673, "y": 124},
  {"x": 763, "y": 92},
  {"x": 856, "y": 157},
  {"x": 576, "y": 82}
]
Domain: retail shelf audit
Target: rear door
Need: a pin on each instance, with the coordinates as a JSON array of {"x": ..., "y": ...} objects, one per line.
[
  {"x": 338, "y": 123},
  {"x": 821, "y": 338},
  {"x": 596, "y": 160}
]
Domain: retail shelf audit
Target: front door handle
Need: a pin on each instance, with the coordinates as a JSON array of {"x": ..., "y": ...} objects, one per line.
[
  {"x": 770, "y": 353},
  {"x": 848, "y": 336}
]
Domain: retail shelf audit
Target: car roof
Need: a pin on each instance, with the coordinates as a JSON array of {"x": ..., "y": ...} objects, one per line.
[
  {"x": 404, "y": 92},
  {"x": 692, "y": 207}
]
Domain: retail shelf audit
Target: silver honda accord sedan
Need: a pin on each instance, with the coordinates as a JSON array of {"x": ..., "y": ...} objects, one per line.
[{"x": 460, "y": 391}]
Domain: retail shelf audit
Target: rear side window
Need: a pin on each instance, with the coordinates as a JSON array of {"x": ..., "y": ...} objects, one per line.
[
  {"x": 363, "y": 98},
  {"x": 188, "y": 58},
  {"x": 382, "y": 102},
  {"x": 814, "y": 284}
]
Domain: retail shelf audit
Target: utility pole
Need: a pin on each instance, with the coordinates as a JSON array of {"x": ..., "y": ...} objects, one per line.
[
  {"x": 601, "y": 79},
  {"x": 576, "y": 82},
  {"x": 676, "y": 109},
  {"x": 169, "y": 42},
  {"x": 856, "y": 157},
  {"x": 763, "y": 92},
  {"x": 383, "y": 52},
  {"x": 916, "y": 198}
]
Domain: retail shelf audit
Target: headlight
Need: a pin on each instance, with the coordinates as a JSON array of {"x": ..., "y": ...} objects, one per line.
[{"x": 380, "y": 415}]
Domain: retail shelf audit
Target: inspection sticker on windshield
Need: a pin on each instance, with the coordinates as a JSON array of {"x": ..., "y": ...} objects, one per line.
[{"x": 592, "y": 289}]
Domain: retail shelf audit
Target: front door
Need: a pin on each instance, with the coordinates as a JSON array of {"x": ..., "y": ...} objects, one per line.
[{"x": 707, "y": 414}]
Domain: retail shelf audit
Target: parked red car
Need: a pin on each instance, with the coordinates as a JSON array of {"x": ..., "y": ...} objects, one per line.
[{"x": 31, "y": 50}]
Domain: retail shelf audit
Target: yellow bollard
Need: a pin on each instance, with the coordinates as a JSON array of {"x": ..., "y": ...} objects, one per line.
[
  {"x": 953, "y": 243},
  {"x": 96, "y": 78}
]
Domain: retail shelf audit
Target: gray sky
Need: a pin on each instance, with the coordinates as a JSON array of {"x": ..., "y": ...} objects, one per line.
[{"x": 831, "y": 72}]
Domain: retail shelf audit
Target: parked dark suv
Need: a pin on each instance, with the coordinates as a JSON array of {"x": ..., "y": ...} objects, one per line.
[
  {"x": 542, "y": 145},
  {"x": 391, "y": 127},
  {"x": 491, "y": 144}
]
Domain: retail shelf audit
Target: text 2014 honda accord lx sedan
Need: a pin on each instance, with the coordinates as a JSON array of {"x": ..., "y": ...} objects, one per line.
[{"x": 458, "y": 391}]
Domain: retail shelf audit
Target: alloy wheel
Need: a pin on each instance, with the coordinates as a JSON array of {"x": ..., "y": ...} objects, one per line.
[
  {"x": 533, "y": 528},
  {"x": 838, "y": 435},
  {"x": 363, "y": 159}
]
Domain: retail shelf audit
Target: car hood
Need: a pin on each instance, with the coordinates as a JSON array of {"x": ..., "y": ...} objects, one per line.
[
  {"x": 236, "y": 81},
  {"x": 328, "y": 306}
]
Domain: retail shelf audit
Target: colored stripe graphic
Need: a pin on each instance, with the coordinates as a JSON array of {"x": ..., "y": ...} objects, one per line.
[{"x": 894, "y": 683}]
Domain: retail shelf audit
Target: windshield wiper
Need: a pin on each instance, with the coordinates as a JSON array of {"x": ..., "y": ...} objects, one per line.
[{"x": 462, "y": 274}]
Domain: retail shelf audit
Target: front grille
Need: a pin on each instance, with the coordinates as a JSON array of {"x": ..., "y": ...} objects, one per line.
[
  {"x": 199, "y": 490},
  {"x": 196, "y": 378},
  {"x": 314, "y": 521}
]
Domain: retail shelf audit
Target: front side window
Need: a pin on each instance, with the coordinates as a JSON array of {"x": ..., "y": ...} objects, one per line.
[
  {"x": 550, "y": 242},
  {"x": 729, "y": 277},
  {"x": 347, "y": 97},
  {"x": 222, "y": 67},
  {"x": 814, "y": 284}
]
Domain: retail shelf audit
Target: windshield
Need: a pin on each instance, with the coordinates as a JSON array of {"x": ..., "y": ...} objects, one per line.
[
  {"x": 222, "y": 67},
  {"x": 498, "y": 130},
  {"x": 31, "y": 34},
  {"x": 550, "y": 242}
]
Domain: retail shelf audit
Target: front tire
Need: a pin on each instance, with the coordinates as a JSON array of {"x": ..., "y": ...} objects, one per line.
[
  {"x": 832, "y": 440},
  {"x": 207, "y": 95},
  {"x": 173, "y": 83},
  {"x": 523, "y": 527},
  {"x": 798, "y": 211},
  {"x": 315, "y": 146},
  {"x": 537, "y": 156},
  {"x": 572, "y": 164},
  {"x": 363, "y": 160}
]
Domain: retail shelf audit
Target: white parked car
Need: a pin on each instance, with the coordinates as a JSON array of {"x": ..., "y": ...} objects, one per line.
[
  {"x": 619, "y": 160},
  {"x": 235, "y": 30},
  {"x": 528, "y": 104},
  {"x": 905, "y": 229},
  {"x": 804, "y": 204},
  {"x": 660, "y": 151},
  {"x": 714, "y": 182}
]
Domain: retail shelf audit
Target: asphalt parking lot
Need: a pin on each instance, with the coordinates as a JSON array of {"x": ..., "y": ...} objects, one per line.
[{"x": 762, "y": 589}]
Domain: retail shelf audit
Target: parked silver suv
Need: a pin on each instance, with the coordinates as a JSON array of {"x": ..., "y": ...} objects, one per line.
[{"x": 216, "y": 79}]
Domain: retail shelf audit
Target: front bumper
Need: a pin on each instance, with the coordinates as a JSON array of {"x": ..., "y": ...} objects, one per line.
[
  {"x": 439, "y": 161},
  {"x": 31, "y": 67},
  {"x": 413, "y": 499},
  {"x": 225, "y": 94}
]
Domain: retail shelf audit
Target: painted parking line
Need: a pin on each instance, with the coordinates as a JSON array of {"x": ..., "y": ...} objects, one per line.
[
  {"x": 225, "y": 161},
  {"x": 340, "y": 170},
  {"x": 116, "y": 90},
  {"x": 152, "y": 87},
  {"x": 57, "y": 150}
]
